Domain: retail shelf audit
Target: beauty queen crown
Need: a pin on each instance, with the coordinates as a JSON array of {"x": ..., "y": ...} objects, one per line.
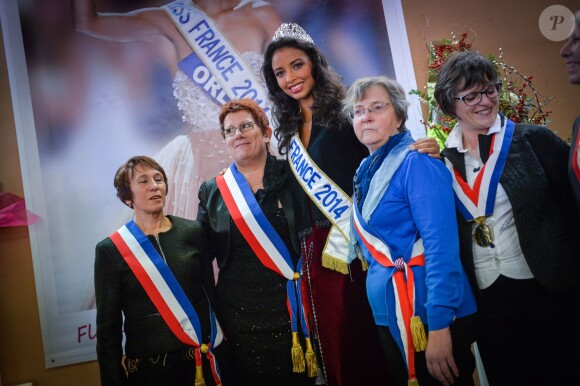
[{"x": 292, "y": 30}]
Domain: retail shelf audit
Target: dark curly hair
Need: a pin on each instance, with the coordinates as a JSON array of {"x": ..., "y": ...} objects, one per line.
[{"x": 328, "y": 93}]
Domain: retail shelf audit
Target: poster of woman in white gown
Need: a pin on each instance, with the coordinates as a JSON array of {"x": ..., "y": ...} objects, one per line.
[{"x": 105, "y": 80}]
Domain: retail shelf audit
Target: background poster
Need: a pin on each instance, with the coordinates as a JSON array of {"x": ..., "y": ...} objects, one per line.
[{"x": 83, "y": 106}]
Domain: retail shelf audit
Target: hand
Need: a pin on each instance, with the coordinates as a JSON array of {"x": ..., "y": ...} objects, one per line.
[
  {"x": 223, "y": 171},
  {"x": 427, "y": 145},
  {"x": 439, "y": 355}
]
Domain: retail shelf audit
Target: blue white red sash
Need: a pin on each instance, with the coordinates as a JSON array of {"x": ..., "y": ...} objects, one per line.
[
  {"x": 166, "y": 293},
  {"x": 479, "y": 201},
  {"x": 406, "y": 327},
  {"x": 215, "y": 66},
  {"x": 576, "y": 155},
  {"x": 272, "y": 252},
  {"x": 330, "y": 199}
]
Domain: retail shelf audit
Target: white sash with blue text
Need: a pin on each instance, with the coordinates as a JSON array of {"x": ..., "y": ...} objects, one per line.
[
  {"x": 215, "y": 66},
  {"x": 330, "y": 199}
]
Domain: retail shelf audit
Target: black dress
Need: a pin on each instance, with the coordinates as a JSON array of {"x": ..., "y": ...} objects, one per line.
[{"x": 252, "y": 298}]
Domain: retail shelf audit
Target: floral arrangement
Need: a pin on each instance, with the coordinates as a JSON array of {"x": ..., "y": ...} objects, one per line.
[{"x": 519, "y": 99}]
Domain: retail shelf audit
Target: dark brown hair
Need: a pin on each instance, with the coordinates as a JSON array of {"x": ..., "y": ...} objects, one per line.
[
  {"x": 463, "y": 69},
  {"x": 125, "y": 173}
]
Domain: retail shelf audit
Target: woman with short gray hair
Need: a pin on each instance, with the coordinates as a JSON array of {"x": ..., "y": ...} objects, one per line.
[
  {"x": 393, "y": 88},
  {"x": 405, "y": 228}
]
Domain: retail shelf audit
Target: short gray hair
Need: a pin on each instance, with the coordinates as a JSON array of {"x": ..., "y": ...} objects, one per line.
[{"x": 392, "y": 87}]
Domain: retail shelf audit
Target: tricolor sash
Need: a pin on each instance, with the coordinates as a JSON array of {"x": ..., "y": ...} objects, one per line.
[
  {"x": 477, "y": 202},
  {"x": 167, "y": 295},
  {"x": 576, "y": 155},
  {"x": 330, "y": 199},
  {"x": 215, "y": 66},
  {"x": 273, "y": 253},
  {"x": 406, "y": 327}
]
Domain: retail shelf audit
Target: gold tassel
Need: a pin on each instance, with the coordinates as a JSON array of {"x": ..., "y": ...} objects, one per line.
[
  {"x": 199, "y": 381},
  {"x": 335, "y": 264},
  {"x": 364, "y": 264},
  {"x": 413, "y": 382},
  {"x": 297, "y": 355},
  {"x": 311, "y": 359},
  {"x": 418, "y": 334}
]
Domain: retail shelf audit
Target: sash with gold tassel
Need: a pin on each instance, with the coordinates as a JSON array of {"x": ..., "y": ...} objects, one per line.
[
  {"x": 168, "y": 297},
  {"x": 407, "y": 329},
  {"x": 330, "y": 199},
  {"x": 273, "y": 253}
]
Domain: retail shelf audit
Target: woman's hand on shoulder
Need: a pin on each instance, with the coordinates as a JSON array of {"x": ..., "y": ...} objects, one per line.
[{"x": 427, "y": 145}]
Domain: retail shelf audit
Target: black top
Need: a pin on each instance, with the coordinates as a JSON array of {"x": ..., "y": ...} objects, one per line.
[
  {"x": 214, "y": 215},
  {"x": 118, "y": 293},
  {"x": 252, "y": 298}
]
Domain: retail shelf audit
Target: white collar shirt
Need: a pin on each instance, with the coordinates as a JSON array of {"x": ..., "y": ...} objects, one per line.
[{"x": 506, "y": 257}]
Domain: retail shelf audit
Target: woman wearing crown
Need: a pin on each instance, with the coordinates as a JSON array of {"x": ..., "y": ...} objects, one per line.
[{"x": 323, "y": 152}]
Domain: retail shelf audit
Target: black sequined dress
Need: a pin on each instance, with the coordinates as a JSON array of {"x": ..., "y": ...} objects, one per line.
[{"x": 253, "y": 310}]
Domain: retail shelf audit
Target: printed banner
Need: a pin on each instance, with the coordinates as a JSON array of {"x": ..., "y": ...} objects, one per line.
[{"x": 84, "y": 103}]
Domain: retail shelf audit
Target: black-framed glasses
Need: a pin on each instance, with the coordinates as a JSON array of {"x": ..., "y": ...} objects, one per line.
[
  {"x": 376, "y": 108},
  {"x": 230, "y": 131},
  {"x": 474, "y": 98}
]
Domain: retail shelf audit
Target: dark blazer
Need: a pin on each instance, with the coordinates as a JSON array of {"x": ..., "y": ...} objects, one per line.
[
  {"x": 123, "y": 304},
  {"x": 215, "y": 217},
  {"x": 536, "y": 183}
]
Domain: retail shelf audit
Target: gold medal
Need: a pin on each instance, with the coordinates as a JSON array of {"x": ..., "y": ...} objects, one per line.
[{"x": 483, "y": 234}]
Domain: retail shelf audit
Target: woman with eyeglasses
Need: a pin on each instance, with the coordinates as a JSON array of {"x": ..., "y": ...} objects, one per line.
[
  {"x": 519, "y": 240},
  {"x": 249, "y": 216},
  {"x": 405, "y": 227}
]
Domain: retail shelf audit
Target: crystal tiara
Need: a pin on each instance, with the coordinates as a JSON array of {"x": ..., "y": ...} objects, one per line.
[{"x": 292, "y": 30}]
